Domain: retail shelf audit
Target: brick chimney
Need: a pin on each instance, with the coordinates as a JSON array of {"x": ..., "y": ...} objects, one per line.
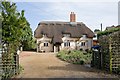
[{"x": 72, "y": 17}]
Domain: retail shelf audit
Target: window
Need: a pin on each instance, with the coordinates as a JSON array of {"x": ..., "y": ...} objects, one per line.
[
  {"x": 67, "y": 44},
  {"x": 82, "y": 43},
  {"x": 46, "y": 44}
]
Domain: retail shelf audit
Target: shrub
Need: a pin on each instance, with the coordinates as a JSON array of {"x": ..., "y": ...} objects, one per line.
[
  {"x": 81, "y": 49},
  {"x": 75, "y": 56},
  {"x": 81, "y": 62},
  {"x": 108, "y": 31}
]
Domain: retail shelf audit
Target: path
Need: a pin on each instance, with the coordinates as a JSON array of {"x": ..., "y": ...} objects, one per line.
[{"x": 46, "y": 65}]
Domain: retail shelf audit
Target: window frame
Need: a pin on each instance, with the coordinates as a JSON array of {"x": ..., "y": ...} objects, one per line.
[
  {"x": 45, "y": 44},
  {"x": 83, "y": 43},
  {"x": 67, "y": 44}
]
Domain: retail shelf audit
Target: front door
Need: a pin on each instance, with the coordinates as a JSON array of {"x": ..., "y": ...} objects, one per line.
[{"x": 57, "y": 47}]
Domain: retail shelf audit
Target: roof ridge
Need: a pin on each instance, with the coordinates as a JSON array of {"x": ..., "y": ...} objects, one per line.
[{"x": 60, "y": 22}]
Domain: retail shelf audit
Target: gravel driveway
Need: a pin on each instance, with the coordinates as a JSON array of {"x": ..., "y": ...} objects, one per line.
[{"x": 46, "y": 65}]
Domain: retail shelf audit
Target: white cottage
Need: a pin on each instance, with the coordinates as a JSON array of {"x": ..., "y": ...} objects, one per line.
[{"x": 57, "y": 35}]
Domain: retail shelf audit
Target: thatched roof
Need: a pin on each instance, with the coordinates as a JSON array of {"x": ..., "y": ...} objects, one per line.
[{"x": 55, "y": 30}]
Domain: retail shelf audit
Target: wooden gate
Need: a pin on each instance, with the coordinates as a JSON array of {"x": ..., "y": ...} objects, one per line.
[{"x": 96, "y": 59}]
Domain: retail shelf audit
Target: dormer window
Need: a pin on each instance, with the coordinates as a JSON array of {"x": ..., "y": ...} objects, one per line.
[
  {"x": 66, "y": 35},
  {"x": 84, "y": 36}
]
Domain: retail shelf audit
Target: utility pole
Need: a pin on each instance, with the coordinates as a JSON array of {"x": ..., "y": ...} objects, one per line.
[{"x": 101, "y": 26}]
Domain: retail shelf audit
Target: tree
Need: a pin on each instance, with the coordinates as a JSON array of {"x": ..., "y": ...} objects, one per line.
[
  {"x": 96, "y": 30},
  {"x": 15, "y": 31}
]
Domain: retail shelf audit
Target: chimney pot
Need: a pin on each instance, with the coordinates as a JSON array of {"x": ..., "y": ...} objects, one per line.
[{"x": 72, "y": 17}]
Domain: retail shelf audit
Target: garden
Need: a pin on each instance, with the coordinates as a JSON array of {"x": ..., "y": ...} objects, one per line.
[{"x": 75, "y": 56}]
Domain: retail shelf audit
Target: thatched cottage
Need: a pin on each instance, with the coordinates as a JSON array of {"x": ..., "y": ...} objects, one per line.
[{"x": 58, "y": 35}]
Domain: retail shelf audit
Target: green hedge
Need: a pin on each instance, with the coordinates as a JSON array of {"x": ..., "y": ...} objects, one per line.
[
  {"x": 75, "y": 57},
  {"x": 106, "y": 32}
]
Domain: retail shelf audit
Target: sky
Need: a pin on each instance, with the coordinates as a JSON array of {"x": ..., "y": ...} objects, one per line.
[{"x": 90, "y": 13}]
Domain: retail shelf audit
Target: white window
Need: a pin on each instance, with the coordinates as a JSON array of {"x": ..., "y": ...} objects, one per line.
[
  {"x": 46, "y": 44},
  {"x": 82, "y": 43},
  {"x": 67, "y": 44}
]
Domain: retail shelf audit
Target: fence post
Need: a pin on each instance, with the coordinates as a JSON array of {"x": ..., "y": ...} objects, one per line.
[
  {"x": 1, "y": 71},
  {"x": 110, "y": 52}
]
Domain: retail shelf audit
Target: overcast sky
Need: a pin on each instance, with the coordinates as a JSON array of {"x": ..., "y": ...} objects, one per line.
[{"x": 91, "y": 13}]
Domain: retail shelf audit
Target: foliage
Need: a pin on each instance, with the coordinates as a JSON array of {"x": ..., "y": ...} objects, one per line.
[
  {"x": 96, "y": 30},
  {"x": 15, "y": 28},
  {"x": 20, "y": 69},
  {"x": 106, "y": 32},
  {"x": 29, "y": 45},
  {"x": 75, "y": 56},
  {"x": 15, "y": 32}
]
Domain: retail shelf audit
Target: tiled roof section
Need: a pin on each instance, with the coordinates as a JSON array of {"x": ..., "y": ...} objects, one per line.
[{"x": 56, "y": 29}]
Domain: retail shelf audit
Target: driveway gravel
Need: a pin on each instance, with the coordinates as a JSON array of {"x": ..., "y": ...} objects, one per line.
[{"x": 47, "y": 65}]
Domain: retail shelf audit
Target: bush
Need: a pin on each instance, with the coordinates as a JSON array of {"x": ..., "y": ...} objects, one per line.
[
  {"x": 75, "y": 57},
  {"x": 81, "y": 49},
  {"x": 81, "y": 62},
  {"x": 108, "y": 31}
]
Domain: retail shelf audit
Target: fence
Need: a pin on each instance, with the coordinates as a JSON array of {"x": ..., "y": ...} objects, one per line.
[
  {"x": 0, "y": 63},
  {"x": 9, "y": 65},
  {"x": 109, "y": 53}
]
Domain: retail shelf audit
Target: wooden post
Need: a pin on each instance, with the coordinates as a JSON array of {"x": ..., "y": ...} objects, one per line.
[{"x": 110, "y": 48}]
